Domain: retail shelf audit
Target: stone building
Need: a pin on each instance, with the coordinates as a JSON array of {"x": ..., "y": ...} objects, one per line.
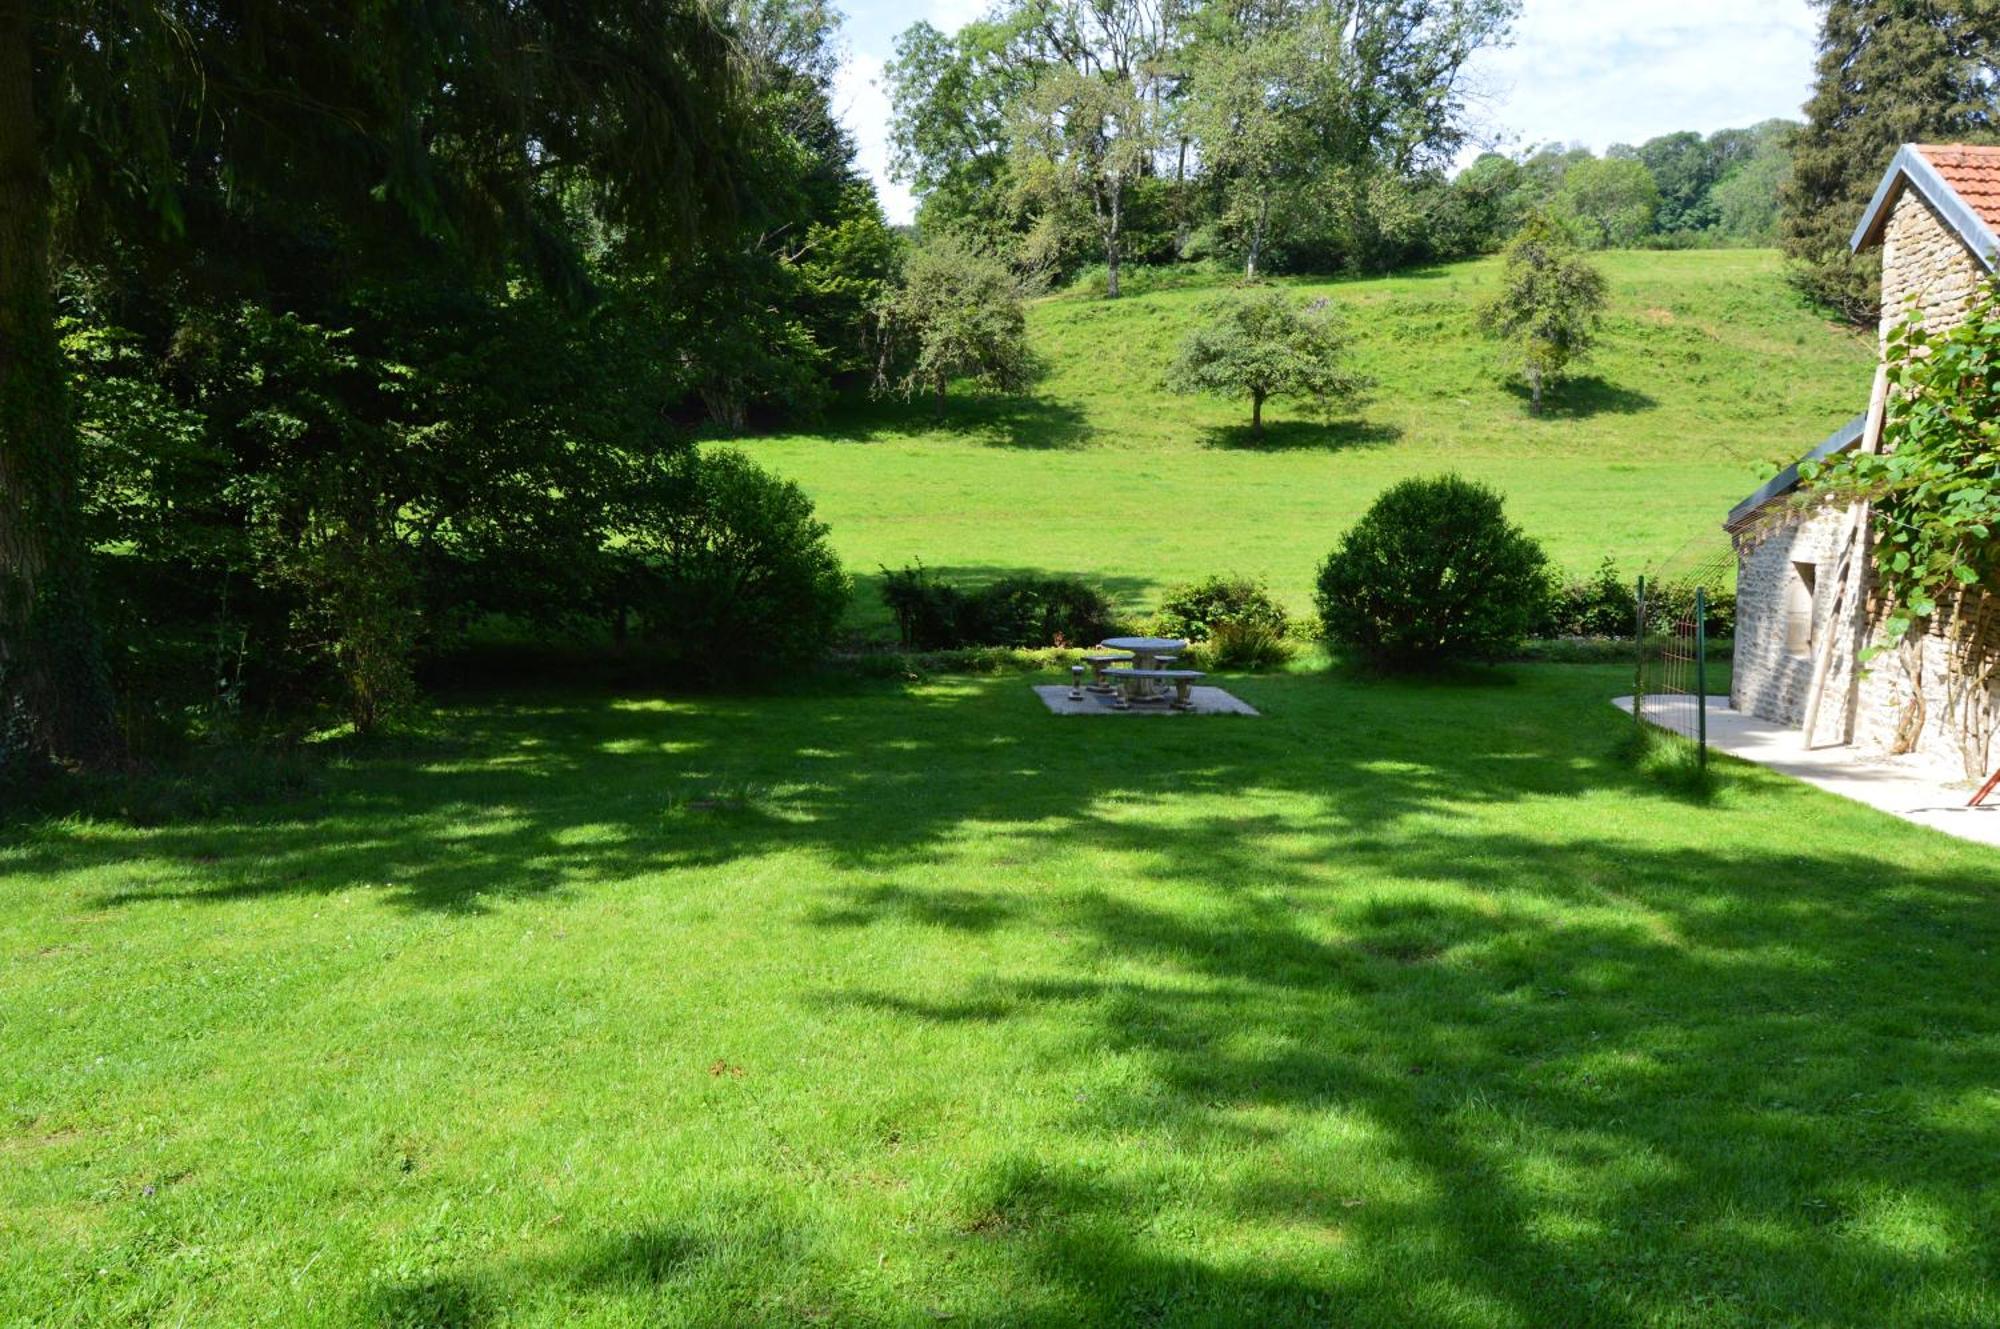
[{"x": 1935, "y": 217}]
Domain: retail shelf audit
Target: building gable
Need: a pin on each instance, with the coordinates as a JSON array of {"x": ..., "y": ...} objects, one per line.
[
  {"x": 1936, "y": 215},
  {"x": 1962, "y": 186}
]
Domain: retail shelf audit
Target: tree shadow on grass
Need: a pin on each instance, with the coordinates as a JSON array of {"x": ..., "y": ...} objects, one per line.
[
  {"x": 875, "y": 626},
  {"x": 1583, "y": 398},
  {"x": 1303, "y": 436},
  {"x": 1423, "y": 1008},
  {"x": 1022, "y": 421}
]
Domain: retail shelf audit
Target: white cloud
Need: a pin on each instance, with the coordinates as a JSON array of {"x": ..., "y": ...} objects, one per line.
[
  {"x": 862, "y": 103},
  {"x": 1597, "y": 72}
]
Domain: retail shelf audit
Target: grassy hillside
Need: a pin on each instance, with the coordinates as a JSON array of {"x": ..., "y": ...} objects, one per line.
[{"x": 1710, "y": 367}]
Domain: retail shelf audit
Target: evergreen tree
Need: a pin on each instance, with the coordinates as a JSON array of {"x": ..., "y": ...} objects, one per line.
[
  {"x": 1890, "y": 72},
  {"x": 449, "y": 129}
]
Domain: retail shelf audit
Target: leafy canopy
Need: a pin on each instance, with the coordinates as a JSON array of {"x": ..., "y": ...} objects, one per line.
[
  {"x": 1549, "y": 307},
  {"x": 1265, "y": 346},
  {"x": 956, "y": 313},
  {"x": 1611, "y": 202}
]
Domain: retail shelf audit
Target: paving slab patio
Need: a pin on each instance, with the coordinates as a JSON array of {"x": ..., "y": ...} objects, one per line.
[
  {"x": 1916, "y": 792},
  {"x": 1207, "y": 701}
]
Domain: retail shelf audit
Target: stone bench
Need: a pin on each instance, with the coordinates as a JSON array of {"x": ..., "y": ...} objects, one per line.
[
  {"x": 1099, "y": 664},
  {"x": 1182, "y": 679}
]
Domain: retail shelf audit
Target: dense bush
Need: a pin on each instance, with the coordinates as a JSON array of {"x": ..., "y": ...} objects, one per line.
[
  {"x": 1434, "y": 574},
  {"x": 1016, "y": 611},
  {"x": 927, "y": 611},
  {"x": 1196, "y": 609},
  {"x": 1672, "y": 601},
  {"x": 727, "y": 565},
  {"x": 1242, "y": 644},
  {"x": 1038, "y": 611},
  {"x": 1604, "y": 604}
]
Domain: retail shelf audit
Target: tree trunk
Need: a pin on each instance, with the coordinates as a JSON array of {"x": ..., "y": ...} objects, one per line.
[
  {"x": 1534, "y": 392},
  {"x": 1111, "y": 240},
  {"x": 1257, "y": 239},
  {"x": 53, "y": 683},
  {"x": 937, "y": 401},
  {"x": 1181, "y": 230},
  {"x": 1257, "y": 414}
]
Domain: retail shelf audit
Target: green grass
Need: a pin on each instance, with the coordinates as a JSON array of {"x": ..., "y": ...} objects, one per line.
[
  {"x": 1403, "y": 1005},
  {"x": 1710, "y": 368}
]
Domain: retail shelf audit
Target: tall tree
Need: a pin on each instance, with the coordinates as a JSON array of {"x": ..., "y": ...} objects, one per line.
[
  {"x": 1303, "y": 110},
  {"x": 1890, "y": 72},
  {"x": 54, "y": 696},
  {"x": 1611, "y": 202},
  {"x": 449, "y": 127},
  {"x": 1684, "y": 167},
  {"x": 1092, "y": 123},
  {"x": 1082, "y": 141},
  {"x": 951, "y": 96},
  {"x": 1745, "y": 199}
]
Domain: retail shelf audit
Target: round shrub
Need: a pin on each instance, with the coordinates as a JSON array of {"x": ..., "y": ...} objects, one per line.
[
  {"x": 1433, "y": 574},
  {"x": 1196, "y": 609},
  {"x": 729, "y": 567}
]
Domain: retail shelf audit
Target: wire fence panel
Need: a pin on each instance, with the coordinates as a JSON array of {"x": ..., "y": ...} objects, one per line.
[{"x": 1687, "y": 618}]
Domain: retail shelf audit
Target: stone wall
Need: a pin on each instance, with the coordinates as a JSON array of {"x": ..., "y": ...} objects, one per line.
[
  {"x": 1924, "y": 259},
  {"x": 1769, "y": 680},
  {"x": 1927, "y": 667}
]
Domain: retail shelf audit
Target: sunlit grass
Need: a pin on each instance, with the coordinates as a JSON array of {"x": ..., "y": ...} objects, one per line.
[
  {"x": 1710, "y": 369},
  {"x": 1404, "y": 1004}
]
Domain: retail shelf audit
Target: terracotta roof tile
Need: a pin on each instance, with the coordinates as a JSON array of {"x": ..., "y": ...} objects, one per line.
[{"x": 1973, "y": 174}]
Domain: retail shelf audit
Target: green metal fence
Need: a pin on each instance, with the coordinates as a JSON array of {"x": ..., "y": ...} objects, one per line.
[{"x": 1686, "y": 615}]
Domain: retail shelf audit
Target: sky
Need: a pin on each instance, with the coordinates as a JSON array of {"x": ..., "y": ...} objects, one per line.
[{"x": 1597, "y": 72}]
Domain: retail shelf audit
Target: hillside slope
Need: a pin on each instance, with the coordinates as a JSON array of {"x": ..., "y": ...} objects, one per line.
[{"x": 1709, "y": 367}]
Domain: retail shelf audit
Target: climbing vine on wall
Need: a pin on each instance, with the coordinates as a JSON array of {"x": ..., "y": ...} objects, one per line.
[{"x": 1936, "y": 483}]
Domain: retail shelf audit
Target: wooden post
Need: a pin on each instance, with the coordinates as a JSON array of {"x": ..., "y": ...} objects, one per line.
[{"x": 1853, "y": 569}]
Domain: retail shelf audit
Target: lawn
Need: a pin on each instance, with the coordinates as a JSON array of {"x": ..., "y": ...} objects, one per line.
[
  {"x": 1711, "y": 369},
  {"x": 907, "y": 1004}
]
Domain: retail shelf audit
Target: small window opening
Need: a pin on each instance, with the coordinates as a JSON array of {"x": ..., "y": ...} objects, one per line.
[{"x": 1799, "y": 593}]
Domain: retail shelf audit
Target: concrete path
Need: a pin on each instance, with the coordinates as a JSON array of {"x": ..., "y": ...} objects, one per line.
[
  {"x": 1207, "y": 701},
  {"x": 1914, "y": 792}
]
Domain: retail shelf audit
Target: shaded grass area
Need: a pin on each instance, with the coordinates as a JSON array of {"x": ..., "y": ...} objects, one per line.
[
  {"x": 1710, "y": 369},
  {"x": 1405, "y": 1004}
]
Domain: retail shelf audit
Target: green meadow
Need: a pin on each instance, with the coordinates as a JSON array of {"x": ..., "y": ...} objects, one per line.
[
  {"x": 900, "y": 1005},
  {"x": 899, "y": 1002},
  {"x": 1711, "y": 370}
]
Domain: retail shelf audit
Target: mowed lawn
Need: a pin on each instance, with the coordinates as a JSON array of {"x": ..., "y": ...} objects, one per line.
[
  {"x": 1710, "y": 369},
  {"x": 910, "y": 1004}
]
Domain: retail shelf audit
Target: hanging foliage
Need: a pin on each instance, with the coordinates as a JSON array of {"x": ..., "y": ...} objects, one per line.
[{"x": 1936, "y": 483}]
